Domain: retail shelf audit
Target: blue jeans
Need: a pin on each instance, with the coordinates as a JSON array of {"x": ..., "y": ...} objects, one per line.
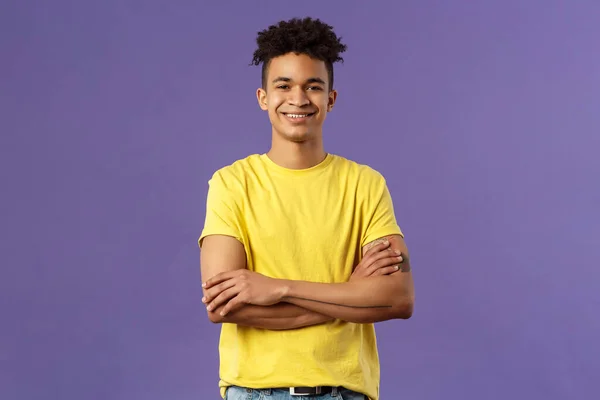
[{"x": 239, "y": 393}]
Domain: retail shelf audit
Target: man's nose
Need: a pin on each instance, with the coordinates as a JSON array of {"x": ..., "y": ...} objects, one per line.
[{"x": 298, "y": 97}]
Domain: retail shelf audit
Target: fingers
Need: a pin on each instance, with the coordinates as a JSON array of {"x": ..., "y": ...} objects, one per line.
[
  {"x": 217, "y": 290},
  {"x": 378, "y": 251},
  {"x": 215, "y": 280},
  {"x": 234, "y": 304},
  {"x": 382, "y": 245},
  {"x": 222, "y": 298},
  {"x": 384, "y": 263},
  {"x": 386, "y": 270},
  {"x": 387, "y": 253},
  {"x": 385, "y": 260}
]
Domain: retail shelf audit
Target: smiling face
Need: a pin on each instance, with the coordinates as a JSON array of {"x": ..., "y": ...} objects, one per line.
[{"x": 297, "y": 97}]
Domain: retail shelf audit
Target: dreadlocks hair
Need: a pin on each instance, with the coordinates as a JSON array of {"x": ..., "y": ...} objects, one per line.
[{"x": 300, "y": 36}]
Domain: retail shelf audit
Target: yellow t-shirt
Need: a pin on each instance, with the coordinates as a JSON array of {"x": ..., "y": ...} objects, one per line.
[{"x": 306, "y": 225}]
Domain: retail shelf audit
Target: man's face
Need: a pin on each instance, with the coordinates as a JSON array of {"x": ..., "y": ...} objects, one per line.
[{"x": 297, "y": 97}]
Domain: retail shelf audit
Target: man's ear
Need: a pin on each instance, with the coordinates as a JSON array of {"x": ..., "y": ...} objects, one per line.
[
  {"x": 261, "y": 96},
  {"x": 332, "y": 98}
]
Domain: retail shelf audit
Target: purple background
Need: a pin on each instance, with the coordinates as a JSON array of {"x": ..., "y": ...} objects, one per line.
[{"x": 483, "y": 116}]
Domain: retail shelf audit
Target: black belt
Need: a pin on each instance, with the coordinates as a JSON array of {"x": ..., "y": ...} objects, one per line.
[{"x": 310, "y": 391}]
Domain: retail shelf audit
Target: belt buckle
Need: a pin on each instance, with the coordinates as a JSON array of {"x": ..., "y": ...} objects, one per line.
[{"x": 317, "y": 390}]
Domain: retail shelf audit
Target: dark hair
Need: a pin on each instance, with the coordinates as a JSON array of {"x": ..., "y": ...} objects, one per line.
[{"x": 301, "y": 36}]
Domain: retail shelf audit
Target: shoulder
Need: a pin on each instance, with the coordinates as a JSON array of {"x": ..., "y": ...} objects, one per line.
[
  {"x": 234, "y": 175},
  {"x": 363, "y": 174}
]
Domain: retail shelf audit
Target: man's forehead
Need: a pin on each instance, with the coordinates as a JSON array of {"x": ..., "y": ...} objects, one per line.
[{"x": 297, "y": 68}]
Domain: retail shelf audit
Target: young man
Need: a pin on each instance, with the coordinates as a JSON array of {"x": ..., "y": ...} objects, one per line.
[{"x": 301, "y": 253}]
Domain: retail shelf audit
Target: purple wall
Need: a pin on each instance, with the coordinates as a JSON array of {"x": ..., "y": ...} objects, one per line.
[{"x": 485, "y": 118}]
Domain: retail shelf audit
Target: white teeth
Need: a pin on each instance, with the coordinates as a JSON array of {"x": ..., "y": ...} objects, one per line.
[{"x": 297, "y": 115}]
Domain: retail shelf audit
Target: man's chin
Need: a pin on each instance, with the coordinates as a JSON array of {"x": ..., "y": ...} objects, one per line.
[{"x": 298, "y": 136}]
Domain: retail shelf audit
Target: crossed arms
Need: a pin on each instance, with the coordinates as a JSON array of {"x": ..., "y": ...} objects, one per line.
[{"x": 381, "y": 288}]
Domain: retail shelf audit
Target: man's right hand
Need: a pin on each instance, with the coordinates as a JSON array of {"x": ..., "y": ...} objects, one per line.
[{"x": 380, "y": 259}]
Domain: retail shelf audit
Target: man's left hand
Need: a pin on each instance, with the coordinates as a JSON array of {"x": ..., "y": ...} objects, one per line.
[{"x": 240, "y": 287}]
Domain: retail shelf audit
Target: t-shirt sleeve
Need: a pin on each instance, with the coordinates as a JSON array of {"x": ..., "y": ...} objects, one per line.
[
  {"x": 223, "y": 215},
  {"x": 381, "y": 219}
]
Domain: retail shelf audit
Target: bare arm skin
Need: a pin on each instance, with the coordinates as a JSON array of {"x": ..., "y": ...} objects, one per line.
[
  {"x": 224, "y": 253},
  {"x": 374, "y": 299},
  {"x": 365, "y": 300}
]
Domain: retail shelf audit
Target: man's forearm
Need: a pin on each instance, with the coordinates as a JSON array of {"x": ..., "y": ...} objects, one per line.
[
  {"x": 362, "y": 301},
  {"x": 282, "y": 316}
]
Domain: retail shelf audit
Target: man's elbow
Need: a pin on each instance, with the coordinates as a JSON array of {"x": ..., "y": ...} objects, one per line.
[
  {"x": 403, "y": 309},
  {"x": 215, "y": 317}
]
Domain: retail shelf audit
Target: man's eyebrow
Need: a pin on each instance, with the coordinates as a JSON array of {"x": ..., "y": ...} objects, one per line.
[
  {"x": 310, "y": 80},
  {"x": 315, "y": 80},
  {"x": 281, "y": 79}
]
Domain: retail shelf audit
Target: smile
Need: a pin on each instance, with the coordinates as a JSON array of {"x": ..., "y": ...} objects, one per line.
[{"x": 298, "y": 116}]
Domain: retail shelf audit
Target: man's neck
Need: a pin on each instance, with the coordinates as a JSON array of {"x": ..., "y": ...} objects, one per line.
[{"x": 294, "y": 155}]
